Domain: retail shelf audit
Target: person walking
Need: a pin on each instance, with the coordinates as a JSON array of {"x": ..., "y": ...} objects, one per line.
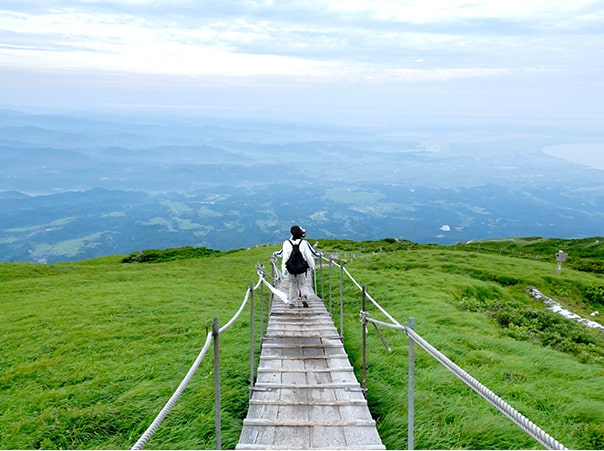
[{"x": 296, "y": 273}]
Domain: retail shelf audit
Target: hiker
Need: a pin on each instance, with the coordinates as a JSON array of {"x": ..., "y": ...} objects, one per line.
[{"x": 297, "y": 271}]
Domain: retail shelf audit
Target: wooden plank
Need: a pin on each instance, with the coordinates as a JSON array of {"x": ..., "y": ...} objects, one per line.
[
  {"x": 325, "y": 370},
  {"x": 298, "y": 381},
  {"x": 305, "y": 402},
  {"x": 293, "y": 417},
  {"x": 305, "y": 357},
  {"x": 306, "y": 394}
]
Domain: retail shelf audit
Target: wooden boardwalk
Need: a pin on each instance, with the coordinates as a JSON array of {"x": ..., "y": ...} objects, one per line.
[{"x": 306, "y": 395}]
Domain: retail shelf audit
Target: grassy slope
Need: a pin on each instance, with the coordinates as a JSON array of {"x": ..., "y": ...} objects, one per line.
[
  {"x": 92, "y": 350},
  {"x": 552, "y": 388}
]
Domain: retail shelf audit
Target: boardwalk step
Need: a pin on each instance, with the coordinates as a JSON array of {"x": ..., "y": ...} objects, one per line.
[
  {"x": 301, "y": 345},
  {"x": 344, "y": 385},
  {"x": 306, "y": 394},
  {"x": 303, "y": 370},
  {"x": 302, "y": 325},
  {"x": 283, "y": 423},
  {"x": 267, "y": 447},
  {"x": 306, "y": 357},
  {"x": 316, "y": 336},
  {"x": 335, "y": 403},
  {"x": 296, "y": 325}
]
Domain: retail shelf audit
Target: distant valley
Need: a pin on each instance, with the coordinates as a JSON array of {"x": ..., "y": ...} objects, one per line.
[{"x": 76, "y": 187}]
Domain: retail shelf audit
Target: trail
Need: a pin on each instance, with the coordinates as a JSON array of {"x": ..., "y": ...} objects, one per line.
[{"x": 557, "y": 308}]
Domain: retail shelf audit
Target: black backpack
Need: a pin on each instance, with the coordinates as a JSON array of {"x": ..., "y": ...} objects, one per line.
[{"x": 296, "y": 264}]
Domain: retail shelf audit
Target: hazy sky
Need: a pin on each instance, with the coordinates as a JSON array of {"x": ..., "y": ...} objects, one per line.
[{"x": 357, "y": 60}]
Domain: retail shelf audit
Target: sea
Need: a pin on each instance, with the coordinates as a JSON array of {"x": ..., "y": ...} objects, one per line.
[{"x": 588, "y": 154}]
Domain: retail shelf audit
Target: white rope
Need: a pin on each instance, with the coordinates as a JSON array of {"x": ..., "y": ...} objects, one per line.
[
  {"x": 243, "y": 304},
  {"x": 280, "y": 294},
  {"x": 142, "y": 441},
  {"x": 524, "y": 423},
  {"x": 520, "y": 420},
  {"x": 276, "y": 270},
  {"x": 172, "y": 401},
  {"x": 373, "y": 301},
  {"x": 397, "y": 326}
]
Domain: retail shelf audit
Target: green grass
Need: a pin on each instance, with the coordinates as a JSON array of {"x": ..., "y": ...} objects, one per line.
[
  {"x": 92, "y": 350},
  {"x": 542, "y": 371}
]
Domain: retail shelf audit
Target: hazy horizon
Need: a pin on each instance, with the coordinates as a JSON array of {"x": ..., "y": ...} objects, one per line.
[
  {"x": 112, "y": 182},
  {"x": 351, "y": 62}
]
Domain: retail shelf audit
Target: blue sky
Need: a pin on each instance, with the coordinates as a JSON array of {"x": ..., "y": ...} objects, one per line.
[{"x": 356, "y": 61}]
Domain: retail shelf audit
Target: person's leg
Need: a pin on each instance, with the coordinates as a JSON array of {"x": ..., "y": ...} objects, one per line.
[
  {"x": 303, "y": 290},
  {"x": 297, "y": 289},
  {"x": 293, "y": 290}
]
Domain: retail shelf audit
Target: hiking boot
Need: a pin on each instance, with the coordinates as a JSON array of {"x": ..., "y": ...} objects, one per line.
[{"x": 305, "y": 304}]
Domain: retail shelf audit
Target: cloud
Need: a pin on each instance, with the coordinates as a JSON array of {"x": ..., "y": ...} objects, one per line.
[
  {"x": 298, "y": 29},
  {"x": 451, "y": 11},
  {"x": 369, "y": 45}
]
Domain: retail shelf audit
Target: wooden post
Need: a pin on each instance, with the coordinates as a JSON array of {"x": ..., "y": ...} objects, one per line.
[
  {"x": 364, "y": 341},
  {"x": 342, "y": 301},
  {"x": 271, "y": 296},
  {"x": 322, "y": 284},
  {"x": 411, "y": 389},
  {"x": 560, "y": 258},
  {"x": 331, "y": 285},
  {"x": 252, "y": 336},
  {"x": 217, "y": 408},
  {"x": 262, "y": 310}
]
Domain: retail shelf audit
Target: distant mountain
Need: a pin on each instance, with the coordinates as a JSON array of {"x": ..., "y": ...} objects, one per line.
[
  {"x": 75, "y": 187},
  {"x": 13, "y": 195}
]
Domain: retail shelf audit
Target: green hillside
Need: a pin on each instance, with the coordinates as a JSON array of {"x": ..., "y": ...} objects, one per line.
[{"x": 92, "y": 350}]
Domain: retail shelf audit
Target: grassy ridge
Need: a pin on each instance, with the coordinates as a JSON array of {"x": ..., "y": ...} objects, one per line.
[{"x": 92, "y": 350}]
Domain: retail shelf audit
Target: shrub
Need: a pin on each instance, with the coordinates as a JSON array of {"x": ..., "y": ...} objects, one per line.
[
  {"x": 504, "y": 280},
  {"x": 157, "y": 256},
  {"x": 593, "y": 294},
  {"x": 547, "y": 328},
  {"x": 588, "y": 265},
  {"x": 522, "y": 322}
]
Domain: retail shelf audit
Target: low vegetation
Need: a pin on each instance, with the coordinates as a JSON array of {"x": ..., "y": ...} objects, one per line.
[
  {"x": 92, "y": 350},
  {"x": 166, "y": 255}
]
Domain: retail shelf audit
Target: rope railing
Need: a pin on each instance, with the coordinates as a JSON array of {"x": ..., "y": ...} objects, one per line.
[
  {"x": 520, "y": 420},
  {"x": 142, "y": 441},
  {"x": 146, "y": 436},
  {"x": 243, "y": 304}
]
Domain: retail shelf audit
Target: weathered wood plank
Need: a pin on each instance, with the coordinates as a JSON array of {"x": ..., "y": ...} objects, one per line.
[{"x": 306, "y": 394}]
